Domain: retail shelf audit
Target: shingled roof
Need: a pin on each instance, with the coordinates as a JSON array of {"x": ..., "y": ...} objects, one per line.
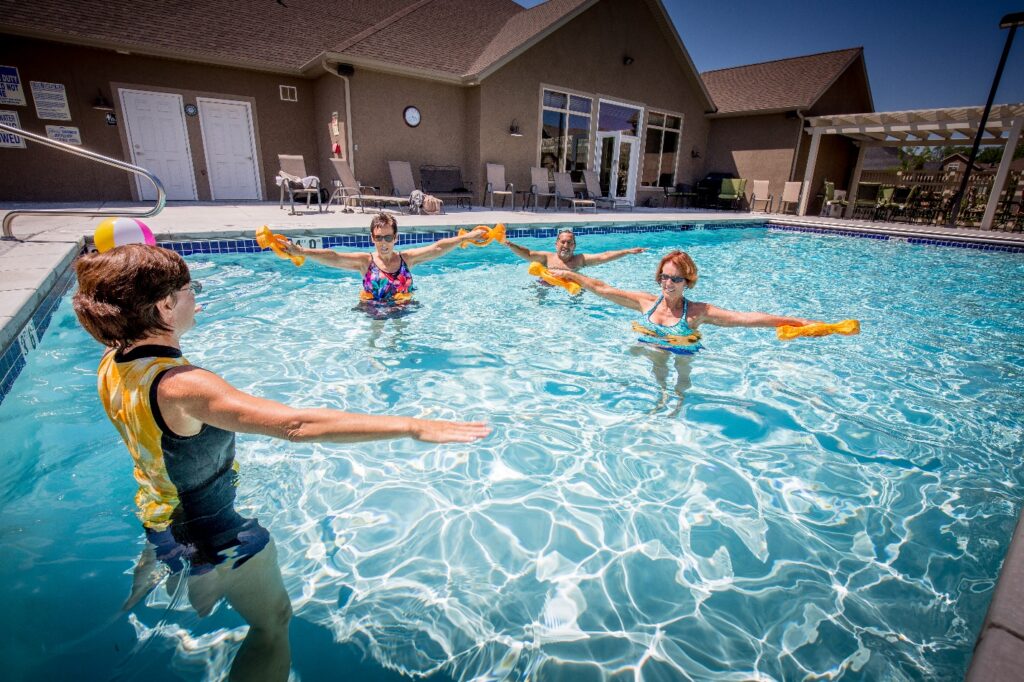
[
  {"x": 780, "y": 85},
  {"x": 456, "y": 39}
]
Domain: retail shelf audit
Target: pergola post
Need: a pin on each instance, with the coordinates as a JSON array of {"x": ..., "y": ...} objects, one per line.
[
  {"x": 851, "y": 197},
  {"x": 812, "y": 159},
  {"x": 1004, "y": 170}
]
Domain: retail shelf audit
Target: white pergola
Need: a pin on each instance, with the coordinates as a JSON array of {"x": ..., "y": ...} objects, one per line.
[{"x": 918, "y": 128}]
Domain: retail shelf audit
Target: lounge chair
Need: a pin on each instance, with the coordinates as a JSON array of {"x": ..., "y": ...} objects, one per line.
[
  {"x": 496, "y": 185},
  {"x": 761, "y": 193},
  {"x": 732, "y": 191},
  {"x": 565, "y": 192},
  {"x": 293, "y": 179},
  {"x": 445, "y": 182},
  {"x": 349, "y": 191},
  {"x": 868, "y": 194},
  {"x": 594, "y": 192},
  {"x": 790, "y": 195},
  {"x": 832, "y": 199},
  {"x": 540, "y": 186},
  {"x": 402, "y": 184}
]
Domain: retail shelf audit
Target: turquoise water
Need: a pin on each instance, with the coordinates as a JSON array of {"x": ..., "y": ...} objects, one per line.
[{"x": 831, "y": 507}]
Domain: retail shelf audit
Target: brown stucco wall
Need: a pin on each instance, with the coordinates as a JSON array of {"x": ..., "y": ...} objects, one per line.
[
  {"x": 39, "y": 173},
  {"x": 381, "y": 135},
  {"x": 754, "y": 147},
  {"x": 585, "y": 56}
]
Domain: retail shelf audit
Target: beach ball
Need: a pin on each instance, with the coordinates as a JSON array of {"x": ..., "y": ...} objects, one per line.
[{"x": 120, "y": 231}]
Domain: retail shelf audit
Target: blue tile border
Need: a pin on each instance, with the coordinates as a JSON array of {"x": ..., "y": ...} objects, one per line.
[{"x": 12, "y": 360}]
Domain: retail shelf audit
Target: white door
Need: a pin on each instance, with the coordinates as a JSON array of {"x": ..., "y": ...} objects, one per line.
[
  {"x": 230, "y": 148},
  {"x": 155, "y": 124},
  {"x": 617, "y": 158}
]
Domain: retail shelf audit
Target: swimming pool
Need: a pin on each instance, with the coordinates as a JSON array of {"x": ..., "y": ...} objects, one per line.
[{"x": 832, "y": 506}]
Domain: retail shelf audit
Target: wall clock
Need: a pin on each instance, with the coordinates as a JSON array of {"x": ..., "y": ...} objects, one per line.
[{"x": 411, "y": 116}]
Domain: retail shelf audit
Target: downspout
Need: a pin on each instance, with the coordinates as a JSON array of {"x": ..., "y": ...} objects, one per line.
[
  {"x": 796, "y": 152},
  {"x": 351, "y": 154}
]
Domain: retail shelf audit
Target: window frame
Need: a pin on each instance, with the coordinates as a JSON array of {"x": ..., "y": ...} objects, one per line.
[
  {"x": 661, "y": 145},
  {"x": 567, "y": 111}
]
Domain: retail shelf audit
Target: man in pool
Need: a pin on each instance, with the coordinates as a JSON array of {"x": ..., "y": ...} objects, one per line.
[
  {"x": 179, "y": 421},
  {"x": 565, "y": 256}
]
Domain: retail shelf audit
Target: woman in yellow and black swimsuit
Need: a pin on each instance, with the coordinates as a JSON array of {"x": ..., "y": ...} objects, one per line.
[{"x": 179, "y": 423}]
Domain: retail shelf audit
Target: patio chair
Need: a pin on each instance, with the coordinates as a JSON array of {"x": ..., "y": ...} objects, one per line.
[
  {"x": 682, "y": 194},
  {"x": 565, "y": 192},
  {"x": 496, "y": 185},
  {"x": 790, "y": 195},
  {"x": 540, "y": 186},
  {"x": 445, "y": 182},
  {"x": 402, "y": 184},
  {"x": 868, "y": 194},
  {"x": 594, "y": 193},
  {"x": 761, "y": 193},
  {"x": 293, "y": 179},
  {"x": 831, "y": 199},
  {"x": 732, "y": 191},
  {"x": 348, "y": 190},
  {"x": 884, "y": 202}
]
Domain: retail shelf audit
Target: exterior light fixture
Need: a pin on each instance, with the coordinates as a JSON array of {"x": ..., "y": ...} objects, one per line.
[
  {"x": 101, "y": 103},
  {"x": 626, "y": 60},
  {"x": 513, "y": 129},
  {"x": 694, "y": 154},
  {"x": 1010, "y": 21}
]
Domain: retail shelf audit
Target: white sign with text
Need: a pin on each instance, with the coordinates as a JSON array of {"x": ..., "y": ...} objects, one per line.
[
  {"x": 51, "y": 101},
  {"x": 69, "y": 134},
  {"x": 10, "y": 139}
]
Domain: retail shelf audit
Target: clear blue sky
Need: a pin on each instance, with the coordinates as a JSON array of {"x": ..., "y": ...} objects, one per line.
[{"x": 919, "y": 54}]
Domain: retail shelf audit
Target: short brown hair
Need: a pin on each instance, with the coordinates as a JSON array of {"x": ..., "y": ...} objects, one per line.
[
  {"x": 686, "y": 266},
  {"x": 384, "y": 220},
  {"x": 118, "y": 291}
]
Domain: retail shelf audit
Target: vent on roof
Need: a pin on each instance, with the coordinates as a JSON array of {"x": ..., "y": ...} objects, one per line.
[{"x": 289, "y": 93}]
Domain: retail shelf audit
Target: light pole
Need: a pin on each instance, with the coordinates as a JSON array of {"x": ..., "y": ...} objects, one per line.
[{"x": 1010, "y": 21}]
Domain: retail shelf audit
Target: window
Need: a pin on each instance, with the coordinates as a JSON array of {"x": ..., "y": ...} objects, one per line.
[
  {"x": 289, "y": 93},
  {"x": 565, "y": 133},
  {"x": 661, "y": 150}
]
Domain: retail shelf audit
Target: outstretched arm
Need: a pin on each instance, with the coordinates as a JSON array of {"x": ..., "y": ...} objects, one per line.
[
  {"x": 334, "y": 259},
  {"x": 709, "y": 314},
  {"x": 636, "y": 300},
  {"x": 524, "y": 253},
  {"x": 190, "y": 397},
  {"x": 440, "y": 247},
  {"x": 607, "y": 256}
]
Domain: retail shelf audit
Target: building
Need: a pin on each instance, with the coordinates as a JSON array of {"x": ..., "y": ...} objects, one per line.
[
  {"x": 209, "y": 97},
  {"x": 757, "y": 131}
]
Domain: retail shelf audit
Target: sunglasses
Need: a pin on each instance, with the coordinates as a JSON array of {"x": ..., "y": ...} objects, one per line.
[
  {"x": 677, "y": 280},
  {"x": 196, "y": 287},
  {"x": 383, "y": 238}
]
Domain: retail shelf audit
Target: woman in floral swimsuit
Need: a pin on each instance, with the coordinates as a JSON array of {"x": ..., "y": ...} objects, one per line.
[{"x": 387, "y": 274}]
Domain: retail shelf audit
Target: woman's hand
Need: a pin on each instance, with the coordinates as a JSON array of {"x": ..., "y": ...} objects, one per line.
[
  {"x": 435, "y": 431},
  {"x": 635, "y": 249},
  {"x": 479, "y": 232},
  {"x": 292, "y": 249}
]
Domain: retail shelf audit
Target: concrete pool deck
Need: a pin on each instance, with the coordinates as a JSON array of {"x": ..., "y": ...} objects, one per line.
[{"x": 34, "y": 271}]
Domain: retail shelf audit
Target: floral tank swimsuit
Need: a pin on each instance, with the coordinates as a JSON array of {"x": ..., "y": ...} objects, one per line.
[{"x": 387, "y": 287}]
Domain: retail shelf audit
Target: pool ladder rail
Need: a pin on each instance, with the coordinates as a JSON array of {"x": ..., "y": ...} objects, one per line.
[{"x": 161, "y": 195}]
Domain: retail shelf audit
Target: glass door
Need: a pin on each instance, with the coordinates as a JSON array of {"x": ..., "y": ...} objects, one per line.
[{"x": 617, "y": 159}]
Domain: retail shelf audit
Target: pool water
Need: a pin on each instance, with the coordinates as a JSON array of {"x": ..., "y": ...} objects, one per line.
[{"x": 834, "y": 507}]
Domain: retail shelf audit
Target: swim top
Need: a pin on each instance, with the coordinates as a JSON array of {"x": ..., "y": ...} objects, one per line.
[
  {"x": 678, "y": 338},
  {"x": 181, "y": 478},
  {"x": 379, "y": 285}
]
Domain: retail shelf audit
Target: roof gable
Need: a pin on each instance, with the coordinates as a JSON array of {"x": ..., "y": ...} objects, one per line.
[{"x": 780, "y": 85}]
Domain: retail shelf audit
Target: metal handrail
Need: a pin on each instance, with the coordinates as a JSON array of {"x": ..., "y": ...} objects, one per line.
[{"x": 161, "y": 195}]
